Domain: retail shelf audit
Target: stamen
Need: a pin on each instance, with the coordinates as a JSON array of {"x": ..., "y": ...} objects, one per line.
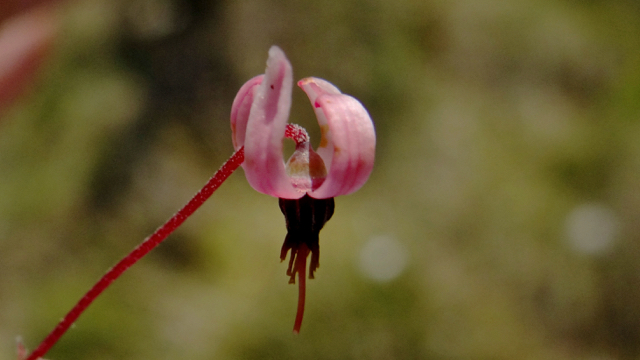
[
  {"x": 301, "y": 264},
  {"x": 291, "y": 271},
  {"x": 315, "y": 261},
  {"x": 304, "y": 218}
]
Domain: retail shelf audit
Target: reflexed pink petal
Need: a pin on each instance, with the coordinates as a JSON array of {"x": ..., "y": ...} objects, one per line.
[
  {"x": 240, "y": 110},
  {"x": 354, "y": 141},
  {"x": 315, "y": 87},
  {"x": 263, "y": 165}
]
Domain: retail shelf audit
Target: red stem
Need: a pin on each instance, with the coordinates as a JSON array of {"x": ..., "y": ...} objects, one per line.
[
  {"x": 141, "y": 250},
  {"x": 301, "y": 264}
]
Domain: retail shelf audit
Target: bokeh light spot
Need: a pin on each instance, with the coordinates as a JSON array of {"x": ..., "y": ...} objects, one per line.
[
  {"x": 383, "y": 258},
  {"x": 592, "y": 228}
]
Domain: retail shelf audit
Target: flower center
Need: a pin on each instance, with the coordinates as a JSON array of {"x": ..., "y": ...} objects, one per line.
[{"x": 305, "y": 167}]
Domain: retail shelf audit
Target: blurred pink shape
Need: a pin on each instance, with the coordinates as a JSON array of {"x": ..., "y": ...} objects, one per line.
[{"x": 25, "y": 40}]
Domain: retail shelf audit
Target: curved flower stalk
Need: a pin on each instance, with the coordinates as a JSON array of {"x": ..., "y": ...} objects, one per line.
[
  {"x": 308, "y": 182},
  {"x": 305, "y": 185}
]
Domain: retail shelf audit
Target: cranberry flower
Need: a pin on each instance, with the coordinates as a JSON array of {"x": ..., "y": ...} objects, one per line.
[
  {"x": 305, "y": 185},
  {"x": 308, "y": 182},
  {"x": 259, "y": 118}
]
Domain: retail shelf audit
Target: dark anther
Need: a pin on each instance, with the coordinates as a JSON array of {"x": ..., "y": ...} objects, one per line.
[{"x": 305, "y": 217}]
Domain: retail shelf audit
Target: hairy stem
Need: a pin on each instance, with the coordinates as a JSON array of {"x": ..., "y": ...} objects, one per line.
[{"x": 140, "y": 251}]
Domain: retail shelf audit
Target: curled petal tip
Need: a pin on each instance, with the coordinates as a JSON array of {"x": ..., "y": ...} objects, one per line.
[
  {"x": 315, "y": 87},
  {"x": 276, "y": 51}
]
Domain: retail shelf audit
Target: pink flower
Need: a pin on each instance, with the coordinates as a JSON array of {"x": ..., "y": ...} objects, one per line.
[
  {"x": 308, "y": 182},
  {"x": 259, "y": 118}
]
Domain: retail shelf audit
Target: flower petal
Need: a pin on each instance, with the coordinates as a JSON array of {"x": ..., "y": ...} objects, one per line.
[
  {"x": 315, "y": 87},
  {"x": 353, "y": 142},
  {"x": 240, "y": 110},
  {"x": 263, "y": 164}
]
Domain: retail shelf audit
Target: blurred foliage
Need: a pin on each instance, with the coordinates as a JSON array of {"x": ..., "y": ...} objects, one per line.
[{"x": 496, "y": 122}]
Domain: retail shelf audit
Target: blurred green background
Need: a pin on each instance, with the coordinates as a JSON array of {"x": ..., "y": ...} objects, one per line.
[{"x": 500, "y": 222}]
